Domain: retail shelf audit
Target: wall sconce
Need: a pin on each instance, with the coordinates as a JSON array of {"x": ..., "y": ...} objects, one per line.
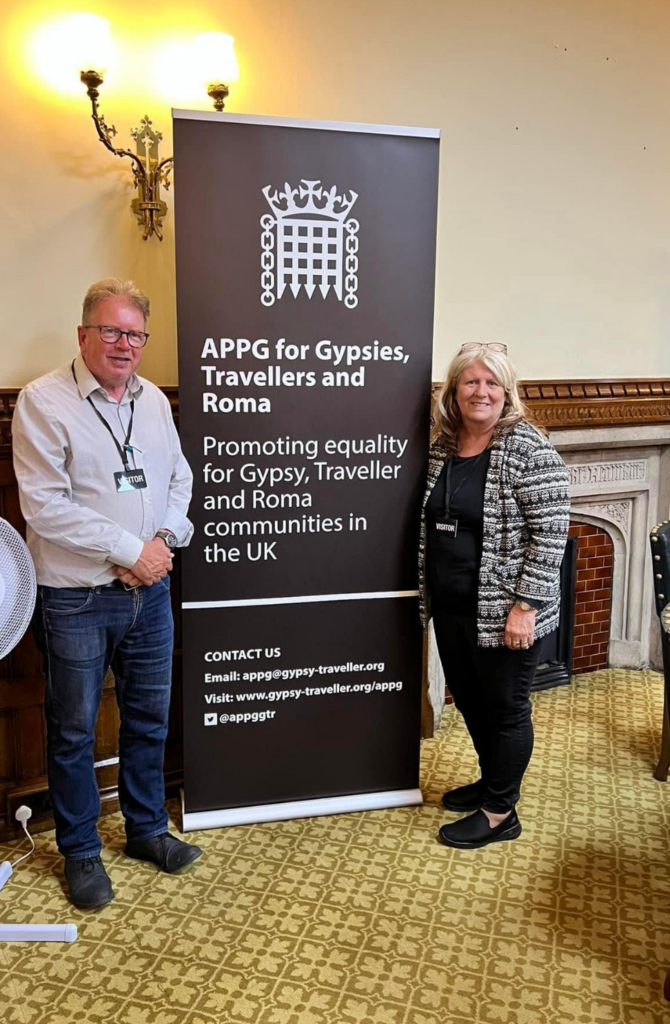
[{"x": 214, "y": 58}]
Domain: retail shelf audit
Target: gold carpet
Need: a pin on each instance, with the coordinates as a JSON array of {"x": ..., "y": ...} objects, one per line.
[{"x": 366, "y": 919}]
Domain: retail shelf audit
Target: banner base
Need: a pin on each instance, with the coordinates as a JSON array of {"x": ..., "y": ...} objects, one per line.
[{"x": 197, "y": 820}]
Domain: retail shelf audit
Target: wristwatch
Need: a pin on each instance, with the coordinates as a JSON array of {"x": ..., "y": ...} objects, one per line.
[
  {"x": 525, "y": 607},
  {"x": 168, "y": 537}
]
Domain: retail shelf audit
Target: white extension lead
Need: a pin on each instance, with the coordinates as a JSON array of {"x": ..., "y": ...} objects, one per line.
[{"x": 31, "y": 932}]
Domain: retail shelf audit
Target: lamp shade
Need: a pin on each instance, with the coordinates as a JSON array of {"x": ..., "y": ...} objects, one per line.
[
  {"x": 63, "y": 47},
  {"x": 88, "y": 43},
  {"x": 215, "y": 58}
]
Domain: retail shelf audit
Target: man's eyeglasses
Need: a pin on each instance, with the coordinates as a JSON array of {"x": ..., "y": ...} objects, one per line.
[
  {"x": 110, "y": 335},
  {"x": 495, "y": 346}
]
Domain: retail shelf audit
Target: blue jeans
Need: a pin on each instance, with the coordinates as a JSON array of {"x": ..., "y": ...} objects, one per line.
[{"x": 82, "y": 632}]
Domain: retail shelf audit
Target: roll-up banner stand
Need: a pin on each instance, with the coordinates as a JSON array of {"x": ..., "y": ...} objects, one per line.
[{"x": 305, "y": 293}]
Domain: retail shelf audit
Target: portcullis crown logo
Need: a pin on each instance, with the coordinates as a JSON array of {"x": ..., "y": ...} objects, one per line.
[{"x": 307, "y": 242}]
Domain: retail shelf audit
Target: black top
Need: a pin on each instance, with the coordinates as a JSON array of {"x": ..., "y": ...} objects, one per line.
[{"x": 453, "y": 562}]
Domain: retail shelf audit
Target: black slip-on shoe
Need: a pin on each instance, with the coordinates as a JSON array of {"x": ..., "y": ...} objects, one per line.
[
  {"x": 464, "y": 799},
  {"x": 474, "y": 831},
  {"x": 88, "y": 882},
  {"x": 165, "y": 851}
]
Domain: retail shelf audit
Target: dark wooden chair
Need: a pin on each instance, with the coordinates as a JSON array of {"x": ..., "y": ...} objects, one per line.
[
  {"x": 661, "y": 770},
  {"x": 660, "y": 560}
]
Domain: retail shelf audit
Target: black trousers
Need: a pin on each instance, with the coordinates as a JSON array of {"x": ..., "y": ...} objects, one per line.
[{"x": 491, "y": 689}]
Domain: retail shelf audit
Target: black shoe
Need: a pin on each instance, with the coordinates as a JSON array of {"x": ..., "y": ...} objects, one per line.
[
  {"x": 474, "y": 831},
  {"x": 166, "y": 851},
  {"x": 88, "y": 883},
  {"x": 464, "y": 799}
]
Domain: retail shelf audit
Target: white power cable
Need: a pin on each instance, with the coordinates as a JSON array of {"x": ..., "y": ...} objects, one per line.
[
  {"x": 23, "y": 814},
  {"x": 31, "y": 932}
]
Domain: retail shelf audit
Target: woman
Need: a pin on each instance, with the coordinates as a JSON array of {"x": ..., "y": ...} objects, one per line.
[{"x": 493, "y": 531}]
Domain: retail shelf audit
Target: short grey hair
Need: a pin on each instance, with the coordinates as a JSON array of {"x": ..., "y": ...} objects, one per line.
[{"x": 114, "y": 287}]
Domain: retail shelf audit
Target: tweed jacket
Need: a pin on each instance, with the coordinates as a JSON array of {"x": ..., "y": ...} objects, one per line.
[{"x": 526, "y": 518}]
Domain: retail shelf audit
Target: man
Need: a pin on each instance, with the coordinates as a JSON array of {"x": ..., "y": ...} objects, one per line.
[{"x": 104, "y": 489}]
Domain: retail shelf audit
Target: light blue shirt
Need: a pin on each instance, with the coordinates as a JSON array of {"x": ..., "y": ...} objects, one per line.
[{"x": 79, "y": 526}]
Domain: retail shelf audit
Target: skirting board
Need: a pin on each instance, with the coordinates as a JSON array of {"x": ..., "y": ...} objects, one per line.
[{"x": 196, "y": 820}]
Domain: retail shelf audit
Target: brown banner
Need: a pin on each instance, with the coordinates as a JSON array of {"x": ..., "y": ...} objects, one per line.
[{"x": 305, "y": 288}]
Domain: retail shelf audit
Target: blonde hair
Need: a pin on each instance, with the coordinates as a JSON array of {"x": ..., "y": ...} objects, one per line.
[
  {"x": 446, "y": 413},
  {"x": 111, "y": 288}
]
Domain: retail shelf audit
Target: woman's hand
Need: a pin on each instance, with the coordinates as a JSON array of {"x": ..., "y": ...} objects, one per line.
[{"x": 520, "y": 628}]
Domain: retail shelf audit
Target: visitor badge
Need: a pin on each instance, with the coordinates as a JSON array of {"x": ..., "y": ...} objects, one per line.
[
  {"x": 130, "y": 480},
  {"x": 447, "y": 527}
]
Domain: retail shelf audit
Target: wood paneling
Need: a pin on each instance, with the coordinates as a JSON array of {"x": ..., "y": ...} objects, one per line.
[
  {"x": 559, "y": 405},
  {"x": 565, "y": 405}
]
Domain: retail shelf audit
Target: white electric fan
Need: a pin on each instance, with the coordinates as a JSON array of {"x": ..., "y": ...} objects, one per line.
[{"x": 18, "y": 589}]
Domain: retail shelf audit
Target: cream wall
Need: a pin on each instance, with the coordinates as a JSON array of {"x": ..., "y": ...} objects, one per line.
[{"x": 554, "y": 230}]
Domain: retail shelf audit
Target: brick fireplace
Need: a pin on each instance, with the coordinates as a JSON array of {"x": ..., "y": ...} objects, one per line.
[
  {"x": 619, "y": 483},
  {"x": 593, "y": 597}
]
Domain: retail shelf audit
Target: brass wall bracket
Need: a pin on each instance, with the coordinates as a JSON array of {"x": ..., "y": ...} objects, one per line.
[{"x": 149, "y": 173}]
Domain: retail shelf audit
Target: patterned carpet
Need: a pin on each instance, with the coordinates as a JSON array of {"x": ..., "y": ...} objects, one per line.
[{"x": 366, "y": 919}]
